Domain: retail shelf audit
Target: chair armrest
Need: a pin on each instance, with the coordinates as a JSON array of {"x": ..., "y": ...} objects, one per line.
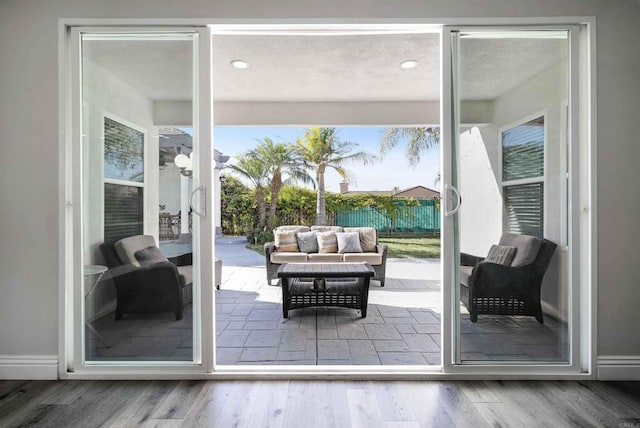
[
  {"x": 469, "y": 260},
  {"x": 269, "y": 247},
  {"x": 162, "y": 274},
  {"x": 489, "y": 278},
  {"x": 382, "y": 249}
]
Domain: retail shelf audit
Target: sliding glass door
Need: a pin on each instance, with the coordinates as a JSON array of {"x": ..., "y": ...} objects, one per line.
[
  {"x": 143, "y": 171},
  {"x": 509, "y": 196}
]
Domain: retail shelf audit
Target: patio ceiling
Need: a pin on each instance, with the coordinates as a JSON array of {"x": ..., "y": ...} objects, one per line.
[{"x": 324, "y": 68}]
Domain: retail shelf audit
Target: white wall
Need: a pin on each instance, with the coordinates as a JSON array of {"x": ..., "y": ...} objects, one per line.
[
  {"x": 29, "y": 133},
  {"x": 170, "y": 188}
]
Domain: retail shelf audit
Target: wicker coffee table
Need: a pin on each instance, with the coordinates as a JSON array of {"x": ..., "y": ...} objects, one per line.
[{"x": 325, "y": 284}]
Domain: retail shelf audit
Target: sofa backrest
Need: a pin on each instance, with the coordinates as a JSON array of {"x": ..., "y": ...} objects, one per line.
[
  {"x": 292, "y": 228},
  {"x": 368, "y": 237},
  {"x": 327, "y": 228}
]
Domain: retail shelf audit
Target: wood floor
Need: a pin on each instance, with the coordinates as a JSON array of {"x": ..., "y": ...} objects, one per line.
[{"x": 319, "y": 404}]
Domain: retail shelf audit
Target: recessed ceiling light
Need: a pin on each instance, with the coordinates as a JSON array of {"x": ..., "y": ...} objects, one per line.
[
  {"x": 410, "y": 63},
  {"x": 240, "y": 64}
]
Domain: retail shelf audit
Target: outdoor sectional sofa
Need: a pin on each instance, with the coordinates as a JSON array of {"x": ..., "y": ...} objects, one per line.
[{"x": 287, "y": 250}]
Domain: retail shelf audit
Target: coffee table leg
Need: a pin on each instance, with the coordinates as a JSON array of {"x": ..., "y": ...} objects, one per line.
[
  {"x": 364, "y": 296},
  {"x": 284, "y": 284}
]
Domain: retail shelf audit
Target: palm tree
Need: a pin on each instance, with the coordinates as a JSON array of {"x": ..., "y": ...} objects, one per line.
[
  {"x": 321, "y": 149},
  {"x": 419, "y": 140},
  {"x": 281, "y": 159},
  {"x": 256, "y": 171}
]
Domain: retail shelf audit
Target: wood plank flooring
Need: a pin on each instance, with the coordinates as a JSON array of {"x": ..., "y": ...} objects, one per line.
[{"x": 300, "y": 404}]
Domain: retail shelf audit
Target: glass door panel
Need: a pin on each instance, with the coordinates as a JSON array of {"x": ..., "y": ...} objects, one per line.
[
  {"x": 510, "y": 164},
  {"x": 137, "y": 173}
]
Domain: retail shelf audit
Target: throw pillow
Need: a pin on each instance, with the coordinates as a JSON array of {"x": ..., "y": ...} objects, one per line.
[
  {"x": 501, "y": 254},
  {"x": 327, "y": 242},
  {"x": 286, "y": 241},
  {"x": 367, "y": 238},
  {"x": 150, "y": 256},
  {"x": 307, "y": 242},
  {"x": 348, "y": 242}
]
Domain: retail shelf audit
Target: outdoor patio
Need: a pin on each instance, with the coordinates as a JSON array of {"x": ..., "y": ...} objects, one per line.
[{"x": 402, "y": 326}]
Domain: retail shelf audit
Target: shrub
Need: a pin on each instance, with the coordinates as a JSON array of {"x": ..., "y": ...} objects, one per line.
[{"x": 258, "y": 236}]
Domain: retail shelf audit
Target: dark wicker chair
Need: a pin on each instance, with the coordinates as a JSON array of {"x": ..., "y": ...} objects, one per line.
[
  {"x": 148, "y": 289},
  {"x": 490, "y": 288}
]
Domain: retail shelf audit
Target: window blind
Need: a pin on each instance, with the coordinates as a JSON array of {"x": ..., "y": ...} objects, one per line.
[
  {"x": 523, "y": 151},
  {"x": 123, "y": 152},
  {"x": 123, "y": 211},
  {"x": 524, "y": 205}
]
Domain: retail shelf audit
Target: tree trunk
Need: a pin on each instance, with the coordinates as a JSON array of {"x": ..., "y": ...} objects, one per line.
[
  {"x": 262, "y": 208},
  {"x": 321, "y": 205},
  {"x": 276, "y": 185}
]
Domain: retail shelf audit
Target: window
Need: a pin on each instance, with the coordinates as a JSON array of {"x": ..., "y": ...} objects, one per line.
[
  {"x": 523, "y": 177},
  {"x": 124, "y": 180}
]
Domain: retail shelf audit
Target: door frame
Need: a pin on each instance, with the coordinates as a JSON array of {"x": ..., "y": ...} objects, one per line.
[{"x": 68, "y": 275}]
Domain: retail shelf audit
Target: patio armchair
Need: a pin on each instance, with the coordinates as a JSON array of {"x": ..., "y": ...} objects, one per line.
[
  {"x": 492, "y": 288},
  {"x": 145, "y": 280}
]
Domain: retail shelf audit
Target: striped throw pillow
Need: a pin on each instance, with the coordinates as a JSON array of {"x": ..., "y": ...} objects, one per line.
[
  {"x": 327, "y": 242},
  {"x": 501, "y": 254},
  {"x": 285, "y": 240}
]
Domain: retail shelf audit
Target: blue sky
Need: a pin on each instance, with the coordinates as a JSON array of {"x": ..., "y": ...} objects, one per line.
[{"x": 392, "y": 171}]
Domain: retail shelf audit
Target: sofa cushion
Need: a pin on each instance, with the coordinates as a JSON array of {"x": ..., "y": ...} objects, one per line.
[
  {"x": 368, "y": 237},
  {"x": 348, "y": 242},
  {"x": 149, "y": 256},
  {"x": 327, "y": 228},
  {"x": 325, "y": 257},
  {"x": 285, "y": 240},
  {"x": 288, "y": 257},
  {"x": 327, "y": 242},
  {"x": 307, "y": 242},
  {"x": 127, "y": 247},
  {"x": 501, "y": 254},
  {"x": 186, "y": 275},
  {"x": 374, "y": 259},
  {"x": 465, "y": 274},
  {"x": 527, "y": 246}
]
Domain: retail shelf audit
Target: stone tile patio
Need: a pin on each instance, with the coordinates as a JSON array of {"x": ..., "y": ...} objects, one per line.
[{"x": 402, "y": 327}]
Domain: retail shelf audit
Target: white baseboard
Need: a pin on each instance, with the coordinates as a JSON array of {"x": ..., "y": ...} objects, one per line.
[
  {"x": 29, "y": 367},
  {"x": 619, "y": 367}
]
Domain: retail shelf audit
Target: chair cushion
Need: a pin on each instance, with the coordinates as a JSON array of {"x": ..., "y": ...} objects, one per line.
[
  {"x": 368, "y": 237},
  {"x": 527, "y": 246},
  {"x": 465, "y": 274},
  {"x": 186, "y": 275},
  {"x": 330, "y": 257},
  {"x": 348, "y": 242},
  {"x": 501, "y": 254},
  {"x": 374, "y": 259},
  {"x": 327, "y": 228},
  {"x": 150, "y": 256},
  {"x": 127, "y": 247},
  {"x": 288, "y": 257},
  {"x": 307, "y": 242},
  {"x": 327, "y": 242},
  {"x": 285, "y": 240}
]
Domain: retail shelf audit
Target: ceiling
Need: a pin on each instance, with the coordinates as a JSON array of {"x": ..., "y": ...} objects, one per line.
[{"x": 303, "y": 68}]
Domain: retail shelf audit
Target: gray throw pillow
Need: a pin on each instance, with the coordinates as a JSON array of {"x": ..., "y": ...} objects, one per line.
[
  {"x": 307, "y": 242},
  {"x": 348, "y": 242},
  {"x": 501, "y": 254},
  {"x": 150, "y": 256}
]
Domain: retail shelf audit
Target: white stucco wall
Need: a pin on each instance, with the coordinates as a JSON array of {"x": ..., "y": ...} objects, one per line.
[
  {"x": 170, "y": 188},
  {"x": 29, "y": 129}
]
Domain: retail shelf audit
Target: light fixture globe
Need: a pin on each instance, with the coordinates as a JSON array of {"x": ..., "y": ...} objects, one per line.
[{"x": 182, "y": 161}]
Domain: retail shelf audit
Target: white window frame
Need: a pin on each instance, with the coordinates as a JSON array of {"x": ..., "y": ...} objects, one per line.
[{"x": 530, "y": 180}]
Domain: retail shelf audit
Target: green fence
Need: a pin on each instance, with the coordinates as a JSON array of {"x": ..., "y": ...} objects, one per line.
[{"x": 424, "y": 218}]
